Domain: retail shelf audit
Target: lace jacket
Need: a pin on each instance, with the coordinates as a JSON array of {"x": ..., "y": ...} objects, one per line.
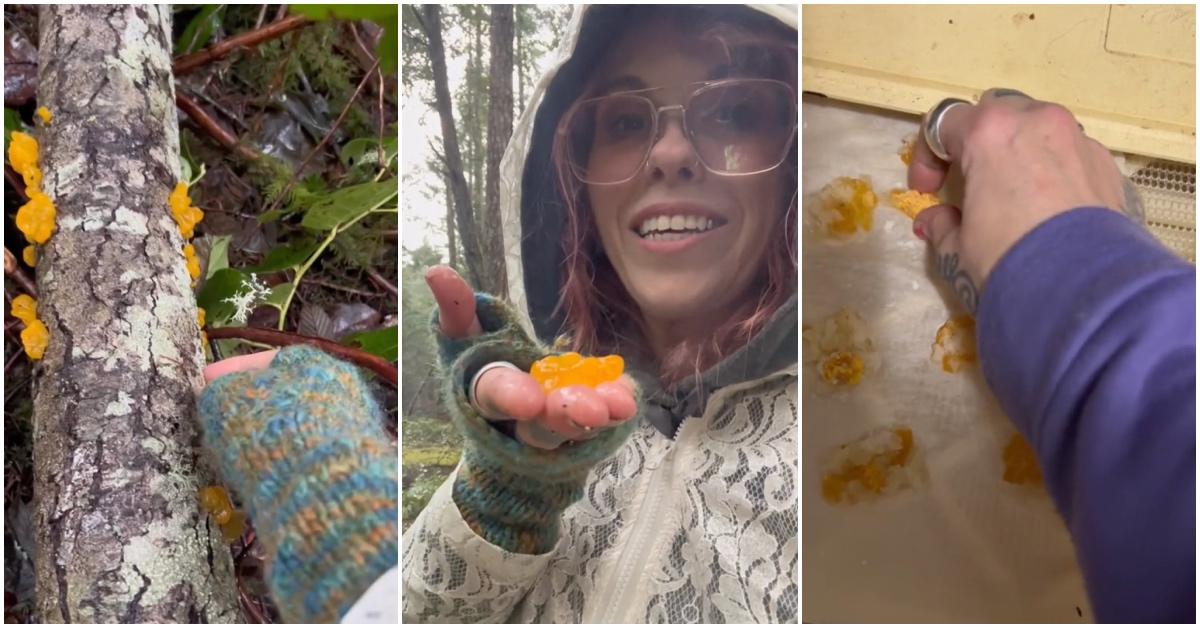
[{"x": 701, "y": 528}]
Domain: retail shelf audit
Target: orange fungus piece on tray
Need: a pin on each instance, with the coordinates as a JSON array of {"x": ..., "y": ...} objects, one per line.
[
  {"x": 869, "y": 477},
  {"x": 572, "y": 369},
  {"x": 1020, "y": 463},
  {"x": 907, "y": 150},
  {"x": 912, "y": 202},
  {"x": 954, "y": 346},
  {"x": 848, "y": 206}
]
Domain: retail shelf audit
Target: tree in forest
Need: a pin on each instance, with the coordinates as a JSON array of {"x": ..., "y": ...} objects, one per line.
[
  {"x": 120, "y": 533},
  {"x": 500, "y": 124},
  {"x": 430, "y": 23},
  {"x": 470, "y": 158}
]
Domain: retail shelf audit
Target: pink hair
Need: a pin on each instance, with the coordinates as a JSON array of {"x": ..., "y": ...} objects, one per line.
[{"x": 596, "y": 303}]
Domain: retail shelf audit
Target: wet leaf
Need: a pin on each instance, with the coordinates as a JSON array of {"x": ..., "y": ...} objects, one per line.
[
  {"x": 344, "y": 205},
  {"x": 381, "y": 342},
  {"x": 314, "y": 321},
  {"x": 353, "y": 317},
  {"x": 222, "y": 285},
  {"x": 218, "y": 253},
  {"x": 283, "y": 258},
  {"x": 278, "y": 295},
  {"x": 200, "y": 30}
]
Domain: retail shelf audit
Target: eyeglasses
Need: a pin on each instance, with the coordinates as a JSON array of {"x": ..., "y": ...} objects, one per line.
[{"x": 737, "y": 127}]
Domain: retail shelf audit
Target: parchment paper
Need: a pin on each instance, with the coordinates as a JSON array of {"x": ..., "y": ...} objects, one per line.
[{"x": 965, "y": 546}]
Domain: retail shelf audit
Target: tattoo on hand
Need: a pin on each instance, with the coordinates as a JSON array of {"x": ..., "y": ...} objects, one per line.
[
  {"x": 958, "y": 278},
  {"x": 1132, "y": 205}
]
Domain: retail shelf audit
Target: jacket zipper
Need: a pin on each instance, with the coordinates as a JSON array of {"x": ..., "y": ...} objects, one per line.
[{"x": 615, "y": 601}]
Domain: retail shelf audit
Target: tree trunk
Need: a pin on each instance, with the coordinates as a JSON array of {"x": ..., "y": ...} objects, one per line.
[
  {"x": 519, "y": 18},
  {"x": 450, "y": 221},
  {"x": 478, "y": 143},
  {"x": 467, "y": 231},
  {"x": 120, "y": 533},
  {"x": 500, "y": 122}
]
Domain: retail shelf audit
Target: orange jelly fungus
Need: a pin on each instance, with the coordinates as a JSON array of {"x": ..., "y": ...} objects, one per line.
[
  {"x": 912, "y": 202},
  {"x": 44, "y": 114},
  {"x": 186, "y": 215},
  {"x": 35, "y": 219},
  {"x": 955, "y": 342},
  {"x": 842, "y": 368},
  {"x": 906, "y": 151},
  {"x": 23, "y": 157},
  {"x": 572, "y": 369},
  {"x": 29, "y": 254},
  {"x": 215, "y": 501},
  {"x": 873, "y": 474},
  {"x": 35, "y": 337},
  {"x": 193, "y": 264},
  {"x": 1020, "y": 463}
]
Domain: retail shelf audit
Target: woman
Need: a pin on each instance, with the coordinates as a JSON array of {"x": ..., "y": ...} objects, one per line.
[{"x": 652, "y": 190}]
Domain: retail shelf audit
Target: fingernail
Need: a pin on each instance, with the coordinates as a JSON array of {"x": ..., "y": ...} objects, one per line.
[{"x": 919, "y": 230}]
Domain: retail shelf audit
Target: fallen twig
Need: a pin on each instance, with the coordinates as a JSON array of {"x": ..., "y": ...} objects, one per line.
[
  {"x": 13, "y": 271},
  {"x": 334, "y": 286},
  {"x": 274, "y": 30},
  {"x": 247, "y": 604},
  {"x": 212, "y": 127},
  {"x": 382, "y": 282},
  {"x": 12, "y": 361},
  {"x": 386, "y": 370},
  {"x": 16, "y": 182}
]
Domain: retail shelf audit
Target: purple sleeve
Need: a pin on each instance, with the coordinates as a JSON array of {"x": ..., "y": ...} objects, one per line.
[{"x": 1087, "y": 335}]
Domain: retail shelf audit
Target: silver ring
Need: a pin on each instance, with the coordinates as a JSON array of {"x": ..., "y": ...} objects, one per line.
[
  {"x": 932, "y": 123},
  {"x": 475, "y": 383}
]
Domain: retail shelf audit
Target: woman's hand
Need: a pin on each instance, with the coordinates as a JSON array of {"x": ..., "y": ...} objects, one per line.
[
  {"x": 543, "y": 420},
  {"x": 1023, "y": 162}
]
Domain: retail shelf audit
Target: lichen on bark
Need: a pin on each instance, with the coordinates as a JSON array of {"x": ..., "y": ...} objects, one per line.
[{"x": 120, "y": 533}]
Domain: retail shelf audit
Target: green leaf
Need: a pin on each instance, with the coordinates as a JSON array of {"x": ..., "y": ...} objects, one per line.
[
  {"x": 385, "y": 15},
  {"x": 387, "y": 49},
  {"x": 381, "y": 342},
  {"x": 366, "y": 150},
  {"x": 378, "y": 13},
  {"x": 12, "y": 122},
  {"x": 283, "y": 258},
  {"x": 221, "y": 285},
  {"x": 218, "y": 255},
  {"x": 279, "y": 294},
  {"x": 344, "y": 205},
  {"x": 200, "y": 30}
]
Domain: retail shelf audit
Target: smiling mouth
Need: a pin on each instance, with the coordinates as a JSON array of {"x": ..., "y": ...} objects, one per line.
[{"x": 677, "y": 227}]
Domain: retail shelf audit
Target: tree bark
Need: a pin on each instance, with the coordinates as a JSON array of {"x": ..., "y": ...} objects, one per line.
[
  {"x": 453, "y": 250},
  {"x": 519, "y": 19},
  {"x": 120, "y": 533},
  {"x": 500, "y": 122},
  {"x": 467, "y": 229}
]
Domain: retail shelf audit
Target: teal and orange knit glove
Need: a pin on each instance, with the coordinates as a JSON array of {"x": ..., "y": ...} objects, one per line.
[
  {"x": 509, "y": 493},
  {"x": 302, "y": 442}
]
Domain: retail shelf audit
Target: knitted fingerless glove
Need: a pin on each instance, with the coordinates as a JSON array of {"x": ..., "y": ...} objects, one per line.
[
  {"x": 511, "y": 494},
  {"x": 302, "y": 444}
]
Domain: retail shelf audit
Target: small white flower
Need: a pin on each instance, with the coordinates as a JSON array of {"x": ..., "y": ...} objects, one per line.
[{"x": 246, "y": 301}]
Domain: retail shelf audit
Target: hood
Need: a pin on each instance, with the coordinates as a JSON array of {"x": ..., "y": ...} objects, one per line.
[{"x": 532, "y": 211}]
